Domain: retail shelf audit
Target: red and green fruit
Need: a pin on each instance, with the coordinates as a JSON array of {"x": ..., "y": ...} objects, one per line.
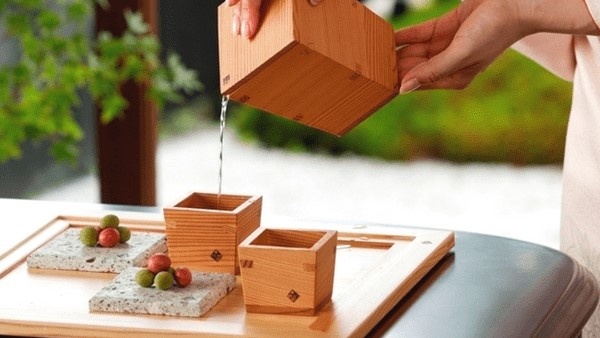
[
  {"x": 89, "y": 236},
  {"x": 109, "y": 237},
  {"x": 163, "y": 280},
  {"x": 124, "y": 233},
  {"x": 144, "y": 278},
  {"x": 172, "y": 271},
  {"x": 161, "y": 274},
  {"x": 183, "y": 277},
  {"x": 159, "y": 262},
  {"x": 105, "y": 233},
  {"x": 109, "y": 221}
]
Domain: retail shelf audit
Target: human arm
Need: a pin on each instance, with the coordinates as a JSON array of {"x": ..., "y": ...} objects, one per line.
[
  {"x": 448, "y": 52},
  {"x": 555, "y": 51}
]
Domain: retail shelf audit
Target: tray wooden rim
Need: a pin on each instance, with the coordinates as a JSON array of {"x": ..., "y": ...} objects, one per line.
[{"x": 398, "y": 270}]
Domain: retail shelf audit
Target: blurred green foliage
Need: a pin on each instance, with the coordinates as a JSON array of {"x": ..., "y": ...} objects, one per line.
[
  {"x": 57, "y": 59},
  {"x": 513, "y": 112}
]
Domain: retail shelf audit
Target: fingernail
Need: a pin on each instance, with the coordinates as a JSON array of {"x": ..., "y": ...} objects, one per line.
[
  {"x": 245, "y": 29},
  {"x": 409, "y": 86},
  {"x": 315, "y": 2},
  {"x": 235, "y": 25}
]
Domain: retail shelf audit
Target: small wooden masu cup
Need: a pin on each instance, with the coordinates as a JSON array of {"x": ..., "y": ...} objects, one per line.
[
  {"x": 203, "y": 230},
  {"x": 287, "y": 271}
]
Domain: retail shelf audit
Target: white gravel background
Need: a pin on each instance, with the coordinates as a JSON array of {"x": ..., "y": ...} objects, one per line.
[{"x": 503, "y": 200}]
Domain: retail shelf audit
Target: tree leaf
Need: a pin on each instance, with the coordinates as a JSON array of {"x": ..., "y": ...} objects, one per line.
[
  {"x": 39, "y": 91},
  {"x": 135, "y": 22},
  {"x": 49, "y": 20},
  {"x": 182, "y": 77},
  {"x": 78, "y": 10},
  {"x": 112, "y": 107}
]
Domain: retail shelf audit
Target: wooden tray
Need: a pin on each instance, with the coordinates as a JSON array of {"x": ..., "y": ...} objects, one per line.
[{"x": 375, "y": 268}]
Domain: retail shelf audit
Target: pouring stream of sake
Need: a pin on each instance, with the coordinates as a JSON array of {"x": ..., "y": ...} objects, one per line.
[{"x": 224, "y": 102}]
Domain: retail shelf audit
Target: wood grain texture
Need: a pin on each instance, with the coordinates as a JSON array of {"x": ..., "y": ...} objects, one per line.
[
  {"x": 328, "y": 66},
  {"x": 393, "y": 278},
  {"x": 240, "y": 58},
  {"x": 203, "y": 233},
  {"x": 21, "y": 250},
  {"x": 287, "y": 271},
  {"x": 369, "y": 279}
]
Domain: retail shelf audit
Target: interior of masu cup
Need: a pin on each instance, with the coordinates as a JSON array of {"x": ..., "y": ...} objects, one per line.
[
  {"x": 288, "y": 238},
  {"x": 212, "y": 201}
]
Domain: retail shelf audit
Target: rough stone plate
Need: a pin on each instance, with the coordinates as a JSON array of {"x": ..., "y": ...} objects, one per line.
[
  {"x": 66, "y": 252},
  {"x": 124, "y": 295}
]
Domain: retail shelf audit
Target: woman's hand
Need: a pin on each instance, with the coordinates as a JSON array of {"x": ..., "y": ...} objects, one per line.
[{"x": 448, "y": 52}]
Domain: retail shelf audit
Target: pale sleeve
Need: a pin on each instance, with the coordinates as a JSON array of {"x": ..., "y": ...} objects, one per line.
[
  {"x": 552, "y": 51},
  {"x": 594, "y": 8}
]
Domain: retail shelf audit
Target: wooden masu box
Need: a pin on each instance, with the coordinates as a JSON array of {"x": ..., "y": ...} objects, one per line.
[
  {"x": 287, "y": 271},
  {"x": 203, "y": 230},
  {"x": 327, "y": 66}
]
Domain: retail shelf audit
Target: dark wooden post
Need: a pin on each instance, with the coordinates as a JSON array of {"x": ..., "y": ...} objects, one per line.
[{"x": 127, "y": 146}]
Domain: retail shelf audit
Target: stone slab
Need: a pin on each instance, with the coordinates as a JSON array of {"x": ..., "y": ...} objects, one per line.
[
  {"x": 124, "y": 295},
  {"x": 66, "y": 252}
]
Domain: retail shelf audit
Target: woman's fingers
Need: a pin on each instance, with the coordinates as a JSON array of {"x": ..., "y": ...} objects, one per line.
[{"x": 245, "y": 17}]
